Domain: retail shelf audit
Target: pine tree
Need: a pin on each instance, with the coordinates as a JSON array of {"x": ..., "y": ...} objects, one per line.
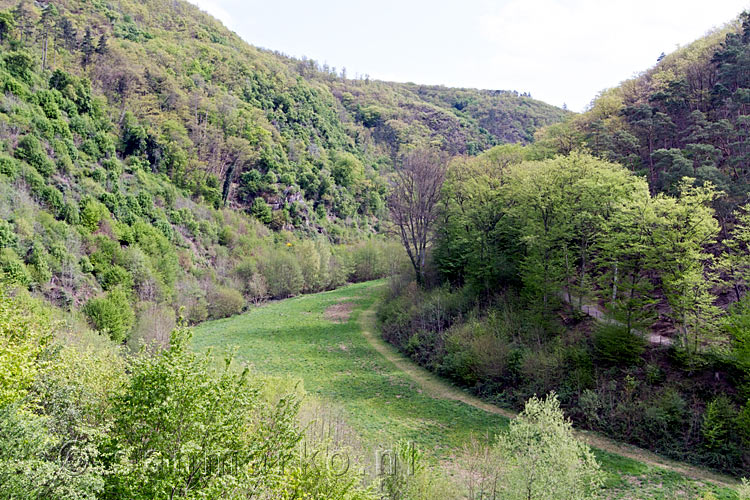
[
  {"x": 67, "y": 32},
  {"x": 101, "y": 46},
  {"x": 23, "y": 19},
  {"x": 87, "y": 48},
  {"x": 47, "y": 25}
]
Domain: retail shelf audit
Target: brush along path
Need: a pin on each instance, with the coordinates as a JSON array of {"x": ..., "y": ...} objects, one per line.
[{"x": 438, "y": 388}]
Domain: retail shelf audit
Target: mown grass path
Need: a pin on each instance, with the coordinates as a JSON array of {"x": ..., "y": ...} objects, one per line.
[{"x": 385, "y": 397}]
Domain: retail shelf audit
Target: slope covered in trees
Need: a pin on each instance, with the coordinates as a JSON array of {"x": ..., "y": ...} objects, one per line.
[
  {"x": 521, "y": 245},
  {"x": 686, "y": 116},
  {"x": 635, "y": 210},
  {"x": 152, "y": 160},
  {"x": 232, "y": 123}
]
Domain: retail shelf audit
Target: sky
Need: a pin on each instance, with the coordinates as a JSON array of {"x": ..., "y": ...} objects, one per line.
[{"x": 561, "y": 51}]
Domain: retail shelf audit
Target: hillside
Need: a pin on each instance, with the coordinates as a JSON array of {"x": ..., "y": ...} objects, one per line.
[
  {"x": 152, "y": 160},
  {"x": 686, "y": 116},
  {"x": 210, "y": 110}
]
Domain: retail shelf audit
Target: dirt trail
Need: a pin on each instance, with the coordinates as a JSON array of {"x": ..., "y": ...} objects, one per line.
[
  {"x": 438, "y": 388},
  {"x": 595, "y": 312}
]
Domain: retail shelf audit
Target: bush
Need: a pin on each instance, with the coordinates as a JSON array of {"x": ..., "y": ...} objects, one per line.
[
  {"x": 219, "y": 417},
  {"x": 256, "y": 289},
  {"x": 111, "y": 315},
  {"x": 283, "y": 274},
  {"x": 154, "y": 325},
  {"x": 30, "y": 149},
  {"x": 613, "y": 344},
  {"x": 261, "y": 210},
  {"x": 717, "y": 429},
  {"x": 8, "y": 166},
  {"x": 539, "y": 457},
  {"x": 224, "y": 302},
  {"x": 25, "y": 329},
  {"x": 8, "y": 237},
  {"x": 369, "y": 262},
  {"x": 13, "y": 269}
]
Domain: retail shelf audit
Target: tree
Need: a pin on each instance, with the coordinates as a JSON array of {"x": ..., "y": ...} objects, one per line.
[
  {"x": 87, "y": 47},
  {"x": 101, "y": 46},
  {"x": 47, "y": 23},
  {"x": 23, "y": 19},
  {"x": 67, "y": 32},
  {"x": 111, "y": 314},
  {"x": 682, "y": 228},
  {"x": 626, "y": 254},
  {"x": 7, "y": 24},
  {"x": 414, "y": 201},
  {"x": 540, "y": 458},
  {"x": 261, "y": 210}
]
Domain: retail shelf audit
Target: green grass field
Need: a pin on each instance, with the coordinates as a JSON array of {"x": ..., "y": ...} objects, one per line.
[{"x": 380, "y": 403}]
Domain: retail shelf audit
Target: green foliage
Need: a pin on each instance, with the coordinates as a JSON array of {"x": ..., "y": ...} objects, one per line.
[
  {"x": 111, "y": 314},
  {"x": 25, "y": 330},
  {"x": 717, "y": 427},
  {"x": 30, "y": 149},
  {"x": 8, "y": 238},
  {"x": 13, "y": 269},
  {"x": 614, "y": 344},
  {"x": 539, "y": 457},
  {"x": 224, "y": 302},
  {"x": 8, "y": 166},
  {"x": 228, "y": 439},
  {"x": 261, "y": 210},
  {"x": 282, "y": 272},
  {"x": 19, "y": 64}
]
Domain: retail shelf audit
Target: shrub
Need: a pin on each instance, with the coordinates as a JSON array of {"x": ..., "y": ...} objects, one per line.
[
  {"x": 261, "y": 210},
  {"x": 737, "y": 325},
  {"x": 8, "y": 166},
  {"x": 25, "y": 329},
  {"x": 30, "y": 149},
  {"x": 220, "y": 414},
  {"x": 256, "y": 289},
  {"x": 154, "y": 325},
  {"x": 717, "y": 429},
  {"x": 309, "y": 262},
  {"x": 91, "y": 213},
  {"x": 539, "y": 457},
  {"x": 116, "y": 276},
  {"x": 613, "y": 344},
  {"x": 744, "y": 490},
  {"x": 13, "y": 269},
  {"x": 19, "y": 64},
  {"x": 224, "y": 302},
  {"x": 283, "y": 275},
  {"x": 111, "y": 315},
  {"x": 8, "y": 237},
  {"x": 369, "y": 261}
]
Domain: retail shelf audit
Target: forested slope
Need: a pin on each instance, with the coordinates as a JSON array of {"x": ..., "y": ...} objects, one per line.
[
  {"x": 686, "y": 116},
  {"x": 150, "y": 160},
  {"x": 637, "y": 207}
]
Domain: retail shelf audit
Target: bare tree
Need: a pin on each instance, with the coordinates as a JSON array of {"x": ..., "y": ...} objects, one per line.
[{"x": 413, "y": 203}]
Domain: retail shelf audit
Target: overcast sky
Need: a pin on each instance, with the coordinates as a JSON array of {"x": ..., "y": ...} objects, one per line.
[{"x": 561, "y": 51}]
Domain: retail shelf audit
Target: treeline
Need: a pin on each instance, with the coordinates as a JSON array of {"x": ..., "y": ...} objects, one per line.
[{"x": 523, "y": 246}]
